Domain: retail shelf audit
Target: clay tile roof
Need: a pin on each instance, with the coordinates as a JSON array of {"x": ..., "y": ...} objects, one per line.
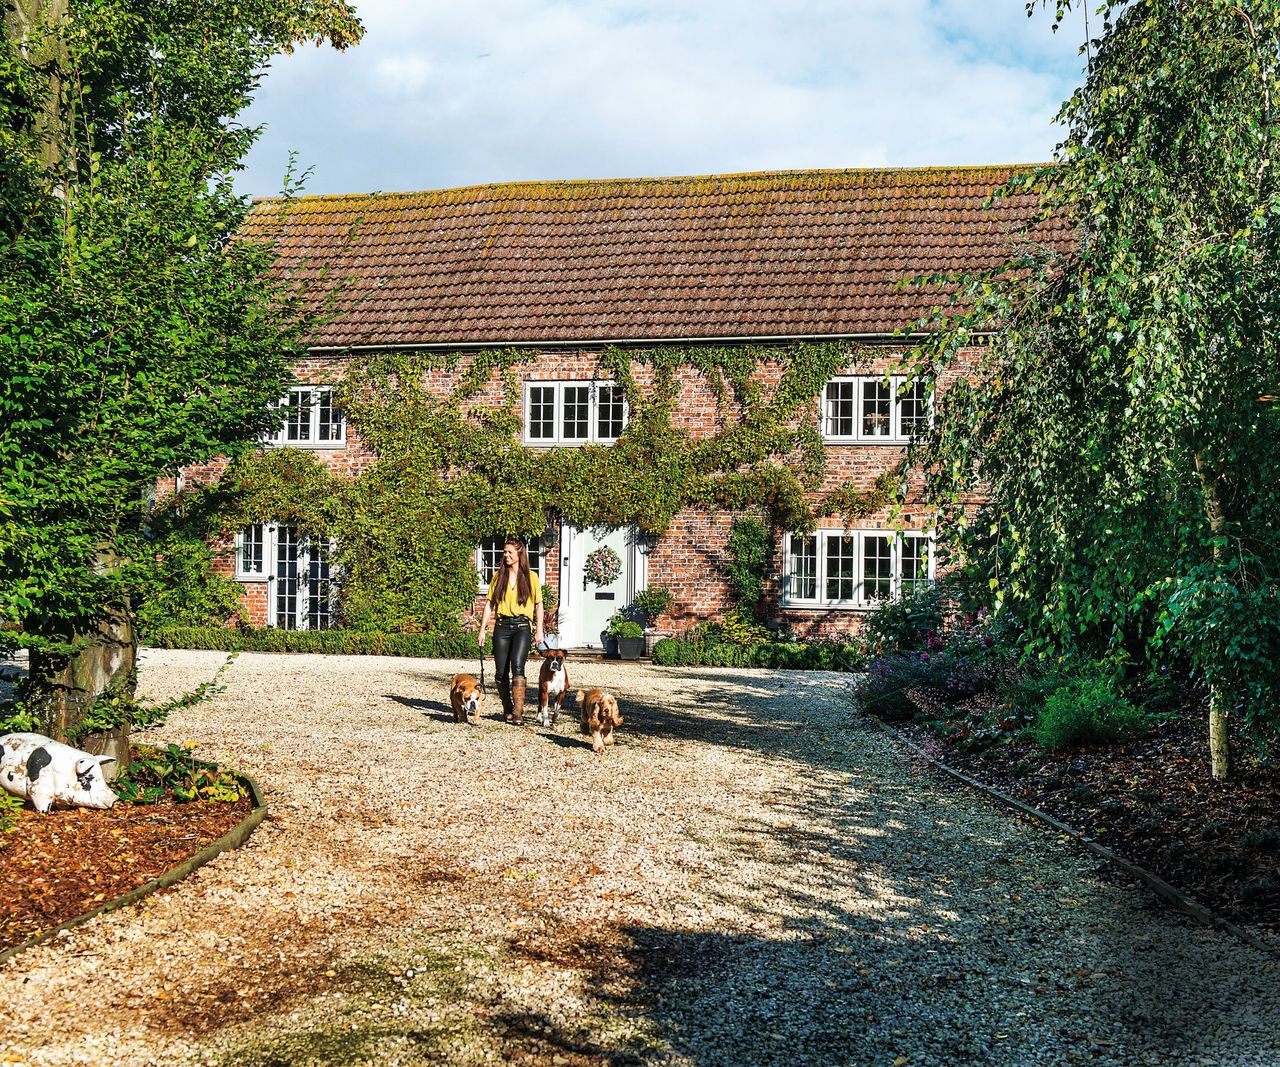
[{"x": 805, "y": 253}]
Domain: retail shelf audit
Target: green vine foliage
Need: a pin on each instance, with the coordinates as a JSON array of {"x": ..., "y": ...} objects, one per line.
[
  {"x": 750, "y": 547},
  {"x": 450, "y": 467}
]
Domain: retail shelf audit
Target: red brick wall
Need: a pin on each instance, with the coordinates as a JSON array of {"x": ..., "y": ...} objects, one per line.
[{"x": 689, "y": 558}]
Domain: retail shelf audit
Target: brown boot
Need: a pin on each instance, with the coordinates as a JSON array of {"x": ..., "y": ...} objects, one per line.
[
  {"x": 517, "y": 699},
  {"x": 504, "y": 694}
]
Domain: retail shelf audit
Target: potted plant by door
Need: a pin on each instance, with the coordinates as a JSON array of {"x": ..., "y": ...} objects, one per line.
[{"x": 629, "y": 636}]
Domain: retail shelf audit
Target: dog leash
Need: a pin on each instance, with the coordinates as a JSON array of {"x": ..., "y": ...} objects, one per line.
[{"x": 483, "y": 688}]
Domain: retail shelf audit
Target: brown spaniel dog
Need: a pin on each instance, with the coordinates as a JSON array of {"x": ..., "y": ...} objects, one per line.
[{"x": 600, "y": 715}]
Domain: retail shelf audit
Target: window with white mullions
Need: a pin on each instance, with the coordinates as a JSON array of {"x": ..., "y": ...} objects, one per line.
[
  {"x": 573, "y": 413},
  {"x": 299, "y": 570},
  {"x": 913, "y": 408},
  {"x": 841, "y": 569},
  {"x": 309, "y": 418},
  {"x": 875, "y": 410},
  {"x": 575, "y": 423},
  {"x": 286, "y": 580},
  {"x": 540, "y": 406},
  {"x": 611, "y": 412},
  {"x": 854, "y": 568},
  {"x": 916, "y": 565},
  {"x": 877, "y": 567},
  {"x": 840, "y": 403},
  {"x": 489, "y": 558},
  {"x": 802, "y": 567},
  {"x": 251, "y": 555}
]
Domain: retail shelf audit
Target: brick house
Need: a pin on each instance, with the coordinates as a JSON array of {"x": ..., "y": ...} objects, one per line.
[{"x": 568, "y": 267}]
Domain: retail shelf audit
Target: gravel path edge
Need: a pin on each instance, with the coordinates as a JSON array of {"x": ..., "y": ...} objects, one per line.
[
  {"x": 232, "y": 839},
  {"x": 1158, "y": 885}
]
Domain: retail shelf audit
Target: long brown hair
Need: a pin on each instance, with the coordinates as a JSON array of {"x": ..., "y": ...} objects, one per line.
[{"x": 524, "y": 585}]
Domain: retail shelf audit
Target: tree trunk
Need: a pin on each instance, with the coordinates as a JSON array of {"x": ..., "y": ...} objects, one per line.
[
  {"x": 1219, "y": 708},
  {"x": 65, "y": 687},
  {"x": 33, "y": 27}
]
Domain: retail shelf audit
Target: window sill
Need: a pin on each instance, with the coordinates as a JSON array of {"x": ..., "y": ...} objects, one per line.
[
  {"x": 566, "y": 444},
  {"x": 317, "y": 446},
  {"x": 838, "y": 606},
  {"x": 252, "y": 578},
  {"x": 899, "y": 442}
]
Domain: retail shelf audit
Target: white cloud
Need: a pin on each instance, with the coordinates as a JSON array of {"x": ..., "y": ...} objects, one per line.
[{"x": 452, "y": 93}]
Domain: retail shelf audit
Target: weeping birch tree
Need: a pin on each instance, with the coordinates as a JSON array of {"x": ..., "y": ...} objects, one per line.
[{"x": 1123, "y": 416}]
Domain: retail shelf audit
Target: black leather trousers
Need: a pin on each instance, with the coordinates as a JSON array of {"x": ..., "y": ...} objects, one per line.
[{"x": 511, "y": 640}]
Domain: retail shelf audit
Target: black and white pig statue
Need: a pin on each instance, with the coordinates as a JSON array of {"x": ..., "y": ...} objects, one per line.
[{"x": 45, "y": 771}]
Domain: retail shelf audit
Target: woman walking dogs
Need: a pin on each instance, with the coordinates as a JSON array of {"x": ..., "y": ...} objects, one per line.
[{"x": 515, "y": 596}]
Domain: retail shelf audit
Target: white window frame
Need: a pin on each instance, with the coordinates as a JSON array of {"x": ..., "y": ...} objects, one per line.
[
  {"x": 263, "y": 535},
  {"x": 859, "y": 601},
  {"x": 536, "y": 552},
  {"x": 558, "y": 440},
  {"x": 895, "y": 436},
  {"x": 280, "y": 436},
  {"x": 268, "y": 534}
]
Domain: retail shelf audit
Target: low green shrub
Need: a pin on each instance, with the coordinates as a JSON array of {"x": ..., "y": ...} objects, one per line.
[
  {"x": 905, "y": 624},
  {"x": 785, "y": 655},
  {"x": 155, "y": 773},
  {"x": 329, "y": 642},
  {"x": 9, "y": 808},
  {"x": 654, "y": 601},
  {"x": 1087, "y": 709},
  {"x": 621, "y": 626}
]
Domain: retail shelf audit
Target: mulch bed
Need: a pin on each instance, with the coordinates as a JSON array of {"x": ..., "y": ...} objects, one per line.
[
  {"x": 57, "y": 866},
  {"x": 1154, "y": 802}
]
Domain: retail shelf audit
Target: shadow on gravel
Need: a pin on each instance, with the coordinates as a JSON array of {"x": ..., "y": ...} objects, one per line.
[{"x": 435, "y": 708}]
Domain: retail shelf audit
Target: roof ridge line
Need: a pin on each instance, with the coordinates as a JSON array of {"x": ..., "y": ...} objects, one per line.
[{"x": 814, "y": 172}]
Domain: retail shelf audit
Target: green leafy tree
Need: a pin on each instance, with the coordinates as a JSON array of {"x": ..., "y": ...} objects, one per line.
[
  {"x": 1122, "y": 417},
  {"x": 136, "y": 335}
]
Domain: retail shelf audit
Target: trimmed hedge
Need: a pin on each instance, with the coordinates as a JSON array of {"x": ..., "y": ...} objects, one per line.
[
  {"x": 330, "y": 642},
  {"x": 819, "y": 656}
]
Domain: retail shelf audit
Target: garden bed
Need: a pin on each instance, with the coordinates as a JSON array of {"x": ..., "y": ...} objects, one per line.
[
  {"x": 1152, "y": 801},
  {"x": 58, "y": 866}
]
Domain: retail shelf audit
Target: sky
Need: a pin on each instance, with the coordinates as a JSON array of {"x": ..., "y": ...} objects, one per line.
[{"x": 445, "y": 93}]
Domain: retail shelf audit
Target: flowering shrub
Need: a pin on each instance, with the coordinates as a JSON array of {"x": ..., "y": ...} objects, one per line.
[
  {"x": 883, "y": 690},
  {"x": 602, "y": 566}
]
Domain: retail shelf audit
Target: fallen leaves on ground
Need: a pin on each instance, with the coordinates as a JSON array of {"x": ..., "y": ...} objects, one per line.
[
  {"x": 1154, "y": 802},
  {"x": 57, "y": 866}
]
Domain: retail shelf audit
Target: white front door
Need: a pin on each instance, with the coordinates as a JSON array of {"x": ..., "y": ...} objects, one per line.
[{"x": 585, "y": 607}]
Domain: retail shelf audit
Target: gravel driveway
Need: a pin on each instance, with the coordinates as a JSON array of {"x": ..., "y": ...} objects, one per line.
[{"x": 749, "y": 876}]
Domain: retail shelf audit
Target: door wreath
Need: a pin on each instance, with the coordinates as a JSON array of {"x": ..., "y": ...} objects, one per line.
[{"x": 603, "y": 566}]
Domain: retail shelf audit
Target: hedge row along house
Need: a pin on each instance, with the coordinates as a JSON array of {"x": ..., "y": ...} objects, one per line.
[{"x": 752, "y": 281}]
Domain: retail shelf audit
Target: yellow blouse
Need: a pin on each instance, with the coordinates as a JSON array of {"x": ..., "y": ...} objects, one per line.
[{"x": 509, "y": 604}]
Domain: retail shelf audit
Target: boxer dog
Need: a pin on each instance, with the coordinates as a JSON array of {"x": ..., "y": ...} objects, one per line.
[
  {"x": 600, "y": 715},
  {"x": 553, "y": 683},
  {"x": 465, "y": 696}
]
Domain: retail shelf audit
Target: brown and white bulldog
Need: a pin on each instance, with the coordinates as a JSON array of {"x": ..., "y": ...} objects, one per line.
[
  {"x": 600, "y": 715},
  {"x": 466, "y": 698},
  {"x": 553, "y": 683}
]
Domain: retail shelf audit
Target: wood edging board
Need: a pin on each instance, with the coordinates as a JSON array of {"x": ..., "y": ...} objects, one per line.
[
  {"x": 233, "y": 838},
  {"x": 1170, "y": 893}
]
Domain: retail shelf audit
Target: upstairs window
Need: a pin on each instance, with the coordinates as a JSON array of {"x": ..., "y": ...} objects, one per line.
[
  {"x": 873, "y": 410},
  {"x": 310, "y": 418},
  {"x": 573, "y": 413},
  {"x": 854, "y": 568}
]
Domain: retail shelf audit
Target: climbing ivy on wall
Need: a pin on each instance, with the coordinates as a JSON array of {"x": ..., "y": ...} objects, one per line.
[{"x": 450, "y": 467}]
